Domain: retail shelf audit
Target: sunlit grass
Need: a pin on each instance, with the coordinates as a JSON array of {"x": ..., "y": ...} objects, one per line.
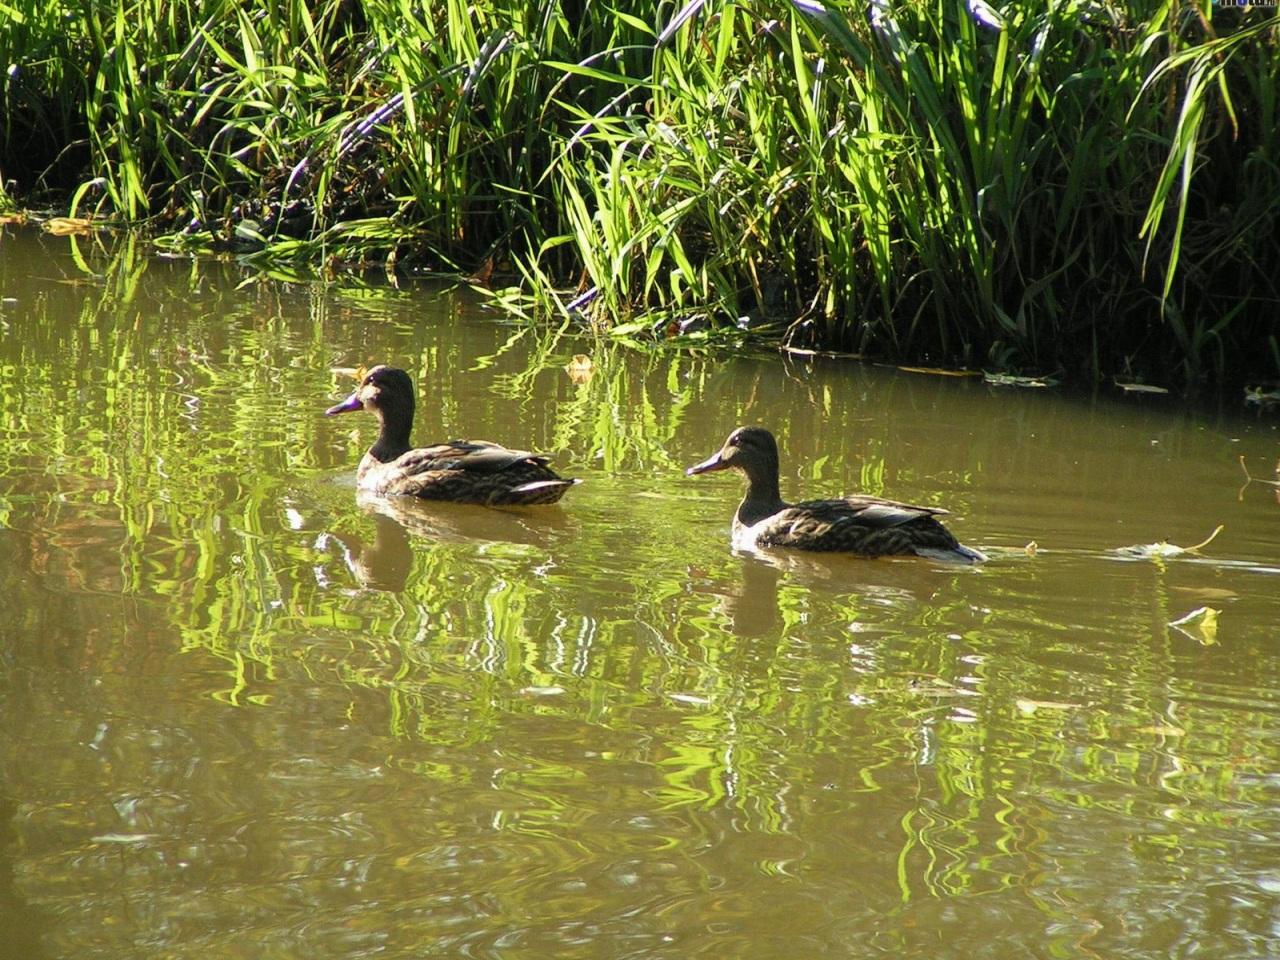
[{"x": 1075, "y": 186}]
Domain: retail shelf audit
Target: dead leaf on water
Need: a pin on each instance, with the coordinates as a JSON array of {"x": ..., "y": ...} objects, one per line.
[
  {"x": 355, "y": 373},
  {"x": 1031, "y": 548},
  {"x": 580, "y": 368},
  {"x": 1164, "y": 549},
  {"x": 1028, "y": 707},
  {"x": 17, "y": 217},
  {"x": 68, "y": 226},
  {"x": 806, "y": 352},
  {"x": 1008, "y": 380},
  {"x": 1140, "y": 388},
  {"x": 940, "y": 372},
  {"x": 1200, "y": 624},
  {"x": 1263, "y": 398},
  {"x": 1163, "y": 730}
]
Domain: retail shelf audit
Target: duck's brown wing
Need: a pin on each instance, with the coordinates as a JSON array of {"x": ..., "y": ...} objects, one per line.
[
  {"x": 474, "y": 471},
  {"x": 857, "y": 524},
  {"x": 472, "y": 456}
]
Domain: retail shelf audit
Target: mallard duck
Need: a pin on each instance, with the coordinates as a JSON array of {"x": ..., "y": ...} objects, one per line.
[
  {"x": 463, "y": 471},
  {"x": 862, "y": 525}
]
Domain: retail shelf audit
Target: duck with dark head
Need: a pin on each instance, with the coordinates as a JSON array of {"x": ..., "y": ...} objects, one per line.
[
  {"x": 858, "y": 524},
  {"x": 463, "y": 471}
]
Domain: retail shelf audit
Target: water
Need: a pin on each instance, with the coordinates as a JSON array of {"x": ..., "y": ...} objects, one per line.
[{"x": 246, "y": 713}]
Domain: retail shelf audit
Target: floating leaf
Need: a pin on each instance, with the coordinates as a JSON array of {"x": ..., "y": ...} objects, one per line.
[
  {"x": 1163, "y": 730},
  {"x": 355, "y": 373},
  {"x": 1031, "y": 548},
  {"x": 1028, "y": 707},
  {"x": 67, "y": 226},
  {"x": 1140, "y": 388},
  {"x": 551, "y": 691},
  {"x": 1262, "y": 398},
  {"x": 580, "y": 368},
  {"x": 1165, "y": 549},
  {"x": 18, "y": 217},
  {"x": 940, "y": 372},
  {"x": 806, "y": 352},
  {"x": 1200, "y": 624},
  {"x": 1008, "y": 380}
]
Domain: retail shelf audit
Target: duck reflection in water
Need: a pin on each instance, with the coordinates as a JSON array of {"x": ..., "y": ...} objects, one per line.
[{"x": 385, "y": 562}]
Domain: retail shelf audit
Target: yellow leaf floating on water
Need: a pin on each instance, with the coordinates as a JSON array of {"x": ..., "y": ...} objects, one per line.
[
  {"x": 67, "y": 226},
  {"x": 1165, "y": 549},
  {"x": 1200, "y": 624},
  {"x": 580, "y": 368},
  {"x": 355, "y": 373},
  {"x": 1028, "y": 707}
]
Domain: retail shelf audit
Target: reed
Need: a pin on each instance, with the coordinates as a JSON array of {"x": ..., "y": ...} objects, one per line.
[{"x": 1076, "y": 186}]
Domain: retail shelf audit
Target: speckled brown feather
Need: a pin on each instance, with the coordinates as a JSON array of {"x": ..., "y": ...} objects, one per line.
[
  {"x": 862, "y": 525},
  {"x": 867, "y": 526}
]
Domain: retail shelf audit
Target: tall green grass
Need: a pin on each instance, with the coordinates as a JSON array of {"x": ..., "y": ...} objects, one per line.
[{"x": 1071, "y": 185}]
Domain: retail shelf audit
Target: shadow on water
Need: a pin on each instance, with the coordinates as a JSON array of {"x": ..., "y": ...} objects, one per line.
[{"x": 22, "y": 926}]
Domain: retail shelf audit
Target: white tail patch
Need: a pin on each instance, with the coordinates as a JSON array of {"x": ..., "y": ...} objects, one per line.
[{"x": 534, "y": 485}]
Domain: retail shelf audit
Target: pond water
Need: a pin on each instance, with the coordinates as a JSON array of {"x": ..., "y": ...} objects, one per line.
[{"x": 247, "y": 713}]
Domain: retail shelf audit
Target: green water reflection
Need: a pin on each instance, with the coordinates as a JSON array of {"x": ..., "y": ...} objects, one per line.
[{"x": 245, "y": 711}]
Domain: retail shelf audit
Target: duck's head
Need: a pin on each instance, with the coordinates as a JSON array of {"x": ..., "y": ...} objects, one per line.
[
  {"x": 385, "y": 391},
  {"x": 749, "y": 449}
]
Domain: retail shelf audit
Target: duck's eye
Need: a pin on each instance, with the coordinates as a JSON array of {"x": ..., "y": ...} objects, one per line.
[{"x": 733, "y": 441}]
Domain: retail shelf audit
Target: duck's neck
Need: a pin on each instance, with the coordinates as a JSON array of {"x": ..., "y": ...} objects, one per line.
[
  {"x": 762, "y": 498},
  {"x": 393, "y": 438}
]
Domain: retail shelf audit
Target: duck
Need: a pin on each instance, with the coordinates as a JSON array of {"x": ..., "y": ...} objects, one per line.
[
  {"x": 857, "y": 524},
  {"x": 461, "y": 471}
]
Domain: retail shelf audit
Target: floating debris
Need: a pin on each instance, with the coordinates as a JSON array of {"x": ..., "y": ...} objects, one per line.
[
  {"x": 941, "y": 372},
  {"x": 1031, "y": 548},
  {"x": 1200, "y": 624},
  {"x": 1028, "y": 707},
  {"x": 1009, "y": 380},
  {"x": 1164, "y": 549},
  {"x": 1250, "y": 478},
  {"x": 536, "y": 691},
  {"x": 580, "y": 368},
  {"x": 807, "y": 352},
  {"x": 1140, "y": 388},
  {"x": 68, "y": 226},
  {"x": 1261, "y": 397},
  {"x": 1163, "y": 730}
]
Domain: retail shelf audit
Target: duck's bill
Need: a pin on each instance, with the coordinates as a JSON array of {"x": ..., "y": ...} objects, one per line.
[
  {"x": 709, "y": 465},
  {"x": 346, "y": 406}
]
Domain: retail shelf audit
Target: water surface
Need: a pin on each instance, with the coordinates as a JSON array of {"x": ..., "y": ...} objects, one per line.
[{"x": 245, "y": 712}]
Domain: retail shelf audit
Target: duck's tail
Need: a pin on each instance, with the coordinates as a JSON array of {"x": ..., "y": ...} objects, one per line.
[
  {"x": 957, "y": 554},
  {"x": 540, "y": 491}
]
